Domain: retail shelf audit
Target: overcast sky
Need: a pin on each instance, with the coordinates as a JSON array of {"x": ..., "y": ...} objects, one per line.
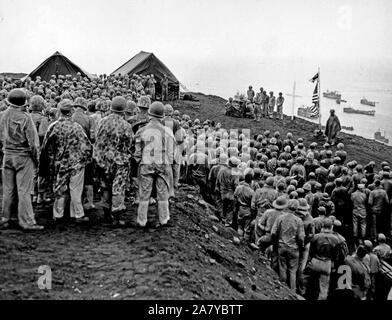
[{"x": 101, "y": 35}]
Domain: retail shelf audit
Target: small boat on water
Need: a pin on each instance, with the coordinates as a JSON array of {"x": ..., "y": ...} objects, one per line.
[
  {"x": 332, "y": 95},
  {"x": 306, "y": 112},
  {"x": 366, "y": 112},
  {"x": 379, "y": 137},
  {"x": 343, "y": 127},
  {"x": 368, "y": 103},
  {"x": 338, "y": 101}
]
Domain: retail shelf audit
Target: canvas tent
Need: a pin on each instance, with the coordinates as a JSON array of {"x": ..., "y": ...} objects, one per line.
[
  {"x": 145, "y": 63},
  {"x": 57, "y": 64}
]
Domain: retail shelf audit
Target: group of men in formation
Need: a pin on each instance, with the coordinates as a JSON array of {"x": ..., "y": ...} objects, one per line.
[
  {"x": 257, "y": 105},
  {"x": 303, "y": 206}
]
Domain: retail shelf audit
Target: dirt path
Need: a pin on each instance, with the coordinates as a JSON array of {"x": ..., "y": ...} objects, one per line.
[{"x": 195, "y": 258}]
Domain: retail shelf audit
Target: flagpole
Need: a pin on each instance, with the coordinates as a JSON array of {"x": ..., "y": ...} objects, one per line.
[
  {"x": 293, "y": 107},
  {"x": 319, "y": 91}
]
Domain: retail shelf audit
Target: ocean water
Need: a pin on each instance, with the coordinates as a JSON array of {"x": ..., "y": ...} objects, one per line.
[
  {"x": 363, "y": 125},
  {"x": 354, "y": 80}
]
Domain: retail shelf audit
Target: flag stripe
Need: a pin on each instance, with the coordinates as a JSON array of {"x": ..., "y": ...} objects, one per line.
[{"x": 315, "y": 108}]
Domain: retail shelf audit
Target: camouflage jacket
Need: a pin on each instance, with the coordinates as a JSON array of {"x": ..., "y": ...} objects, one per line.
[
  {"x": 113, "y": 143},
  {"x": 65, "y": 150}
]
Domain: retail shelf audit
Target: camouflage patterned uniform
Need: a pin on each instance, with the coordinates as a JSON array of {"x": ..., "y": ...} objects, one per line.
[
  {"x": 65, "y": 152},
  {"x": 112, "y": 152}
]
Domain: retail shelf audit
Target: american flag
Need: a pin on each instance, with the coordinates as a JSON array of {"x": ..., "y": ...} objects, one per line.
[
  {"x": 315, "y": 77},
  {"x": 315, "y": 108}
]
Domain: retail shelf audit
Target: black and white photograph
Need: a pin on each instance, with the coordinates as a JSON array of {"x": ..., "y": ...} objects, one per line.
[{"x": 199, "y": 156}]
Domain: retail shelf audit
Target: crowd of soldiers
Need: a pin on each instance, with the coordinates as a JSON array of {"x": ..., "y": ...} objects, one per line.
[
  {"x": 305, "y": 207},
  {"x": 256, "y": 106}
]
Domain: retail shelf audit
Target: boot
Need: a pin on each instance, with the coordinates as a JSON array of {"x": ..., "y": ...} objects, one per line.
[
  {"x": 89, "y": 197},
  {"x": 107, "y": 216},
  {"x": 163, "y": 212},
  {"x": 142, "y": 211},
  {"x": 117, "y": 221}
]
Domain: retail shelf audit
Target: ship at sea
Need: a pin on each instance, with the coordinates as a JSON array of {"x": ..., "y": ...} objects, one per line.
[
  {"x": 332, "y": 95},
  {"x": 352, "y": 110},
  {"x": 379, "y": 137},
  {"x": 343, "y": 127},
  {"x": 367, "y": 102},
  {"x": 306, "y": 112},
  {"x": 338, "y": 101}
]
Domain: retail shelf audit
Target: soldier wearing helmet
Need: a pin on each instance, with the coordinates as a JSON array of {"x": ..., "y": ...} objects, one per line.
[
  {"x": 176, "y": 115},
  {"x": 113, "y": 152},
  {"x": 341, "y": 153},
  {"x": 80, "y": 116},
  {"x": 20, "y": 141},
  {"x": 289, "y": 141},
  {"x": 271, "y": 104},
  {"x": 154, "y": 167},
  {"x": 250, "y": 94},
  {"x": 68, "y": 148},
  {"x": 263, "y": 200},
  {"x": 279, "y": 106},
  {"x": 142, "y": 119},
  {"x": 179, "y": 135},
  {"x": 164, "y": 88},
  {"x": 131, "y": 112},
  {"x": 37, "y": 106}
]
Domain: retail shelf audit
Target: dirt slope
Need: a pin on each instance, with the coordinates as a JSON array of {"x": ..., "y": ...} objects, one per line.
[{"x": 195, "y": 258}]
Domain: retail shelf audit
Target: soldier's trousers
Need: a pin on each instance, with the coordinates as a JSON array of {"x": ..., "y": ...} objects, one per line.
[
  {"x": 288, "y": 265},
  {"x": 176, "y": 174},
  {"x": 75, "y": 186},
  {"x": 265, "y": 110},
  {"x": 38, "y": 184},
  {"x": 228, "y": 207},
  {"x": 280, "y": 112},
  {"x": 147, "y": 179},
  {"x": 152, "y": 93},
  {"x": 361, "y": 223},
  {"x": 88, "y": 186},
  {"x": 270, "y": 111},
  {"x": 245, "y": 221},
  {"x": 17, "y": 175},
  {"x": 257, "y": 112},
  {"x": 113, "y": 186}
]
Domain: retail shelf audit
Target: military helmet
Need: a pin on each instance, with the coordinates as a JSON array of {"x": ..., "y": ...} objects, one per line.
[
  {"x": 37, "y": 103},
  {"x": 131, "y": 106},
  {"x": 17, "y": 97},
  {"x": 65, "y": 105},
  {"x": 156, "y": 110},
  {"x": 118, "y": 104},
  {"x": 168, "y": 109},
  {"x": 81, "y": 102},
  {"x": 144, "y": 102}
]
